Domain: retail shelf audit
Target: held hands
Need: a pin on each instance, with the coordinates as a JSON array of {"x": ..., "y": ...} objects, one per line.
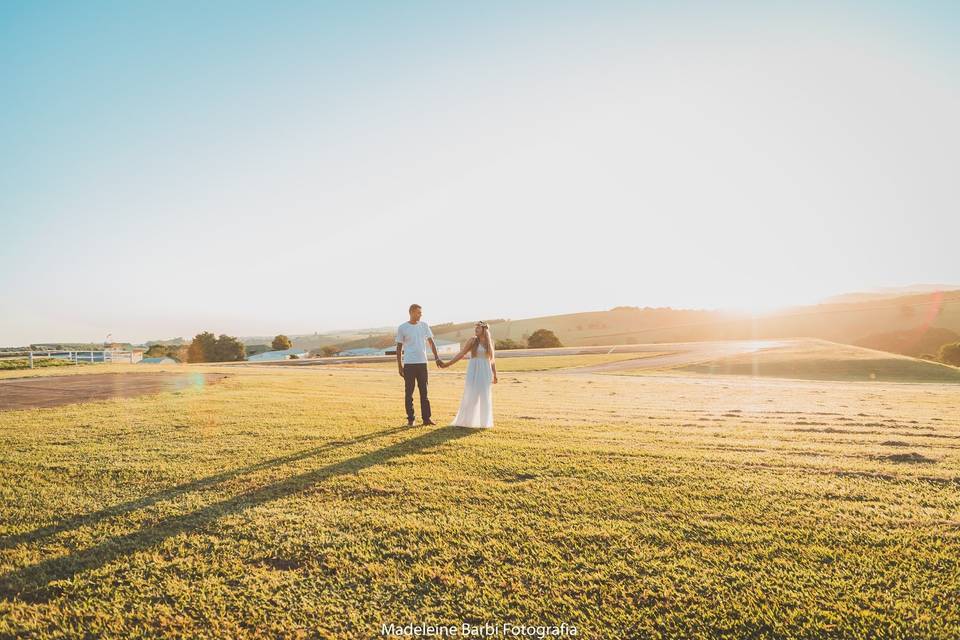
[{"x": 441, "y": 364}]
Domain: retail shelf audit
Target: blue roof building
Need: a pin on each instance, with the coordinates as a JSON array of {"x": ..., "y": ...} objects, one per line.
[{"x": 269, "y": 356}]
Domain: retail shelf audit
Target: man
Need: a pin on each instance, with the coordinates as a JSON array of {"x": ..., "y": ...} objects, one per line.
[{"x": 412, "y": 339}]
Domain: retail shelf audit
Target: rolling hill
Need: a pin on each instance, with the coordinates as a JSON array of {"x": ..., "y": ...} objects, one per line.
[
  {"x": 925, "y": 317},
  {"x": 885, "y": 293},
  {"x": 917, "y": 342}
]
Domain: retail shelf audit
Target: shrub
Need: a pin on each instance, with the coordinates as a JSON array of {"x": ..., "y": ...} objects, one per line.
[
  {"x": 228, "y": 349},
  {"x": 24, "y": 363},
  {"x": 165, "y": 351},
  {"x": 207, "y": 348},
  {"x": 507, "y": 344},
  {"x": 543, "y": 339},
  {"x": 329, "y": 350},
  {"x": 950, "y": 354},
  {"x": 202, "y": 348},
  {"x": 281, "y": 343},
  {"x": 156, "y": 351}
]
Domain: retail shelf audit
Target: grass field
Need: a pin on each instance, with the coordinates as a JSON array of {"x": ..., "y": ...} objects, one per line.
[
  {"x": 528, "y": 363},
  {"x": 8, "y": 364},
  {"x": 294, "y": 502},
  {"x": 823, "y": 360},
  {"x": 82, "y": 369}
]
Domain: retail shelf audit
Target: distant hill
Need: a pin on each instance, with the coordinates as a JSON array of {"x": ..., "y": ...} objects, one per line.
[
  {"x": 375, "y": 341},
  {"x": 885, "y": 293},
  {"x": 317, "y": 340},
  {"x": 848, "y": 323},
  {"x": 173, "y": 342},
  {"x": 304, "y": 341},
  {"x": 622, "y": 325}
]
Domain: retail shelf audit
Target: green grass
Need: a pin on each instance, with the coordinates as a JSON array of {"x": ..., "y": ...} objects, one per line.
[
  {"x": 24, "y": 363},
  {"x": 287, "y": 499},
  {"x": 85, "y": 368}
]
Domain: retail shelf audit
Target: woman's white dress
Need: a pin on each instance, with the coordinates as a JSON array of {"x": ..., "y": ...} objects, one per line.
[{"x": 476, "y": 405}]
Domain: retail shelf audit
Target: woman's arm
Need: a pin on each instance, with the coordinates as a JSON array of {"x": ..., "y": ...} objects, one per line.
[
  {"x": 460, "y": 355},
  {"x": 493, "y": 365}
]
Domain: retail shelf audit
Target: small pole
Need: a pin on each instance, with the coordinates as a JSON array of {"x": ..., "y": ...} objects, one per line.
[{"x": 31, "y": 359}]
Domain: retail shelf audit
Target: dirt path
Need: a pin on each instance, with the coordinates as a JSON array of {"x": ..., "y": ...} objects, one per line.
[{"x": 54, "y": 391}]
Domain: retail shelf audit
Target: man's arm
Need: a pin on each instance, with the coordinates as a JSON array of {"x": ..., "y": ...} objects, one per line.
[
  {"x": 433, "y": 346},
  {"x": 399, "y": 359}
]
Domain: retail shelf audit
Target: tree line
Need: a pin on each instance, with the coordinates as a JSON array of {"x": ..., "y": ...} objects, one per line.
[
  {"x": 539, "y": 339},
  {"x": 205, "y": 347}
]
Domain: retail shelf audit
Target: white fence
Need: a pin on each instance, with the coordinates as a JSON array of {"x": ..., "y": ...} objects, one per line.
[{"x": 74, "y": 356}]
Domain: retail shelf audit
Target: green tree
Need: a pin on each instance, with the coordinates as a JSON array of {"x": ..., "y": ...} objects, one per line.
[
  {"x": 228, "y": 349},
  {"x": 202, "y": 348},
  {"x": 543, "y": 339},
  {"x": 506, "y": 344},
  {"x": 157, "y": 351},
  {"x": 281, "y": 343},
  {"x": 950, "y": 354}
]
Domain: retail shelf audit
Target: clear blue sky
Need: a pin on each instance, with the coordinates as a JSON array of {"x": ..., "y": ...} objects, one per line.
[{"x": 255, "y": 168}]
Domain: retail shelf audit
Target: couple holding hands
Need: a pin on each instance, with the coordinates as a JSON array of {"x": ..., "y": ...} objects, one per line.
[{"x": 476, "y": 404}]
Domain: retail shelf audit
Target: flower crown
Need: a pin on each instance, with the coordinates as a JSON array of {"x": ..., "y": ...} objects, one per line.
[{"x": 483, "y": 324}]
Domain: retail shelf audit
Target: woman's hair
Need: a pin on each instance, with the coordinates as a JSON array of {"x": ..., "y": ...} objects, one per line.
[{"x": 487, "y": 341}]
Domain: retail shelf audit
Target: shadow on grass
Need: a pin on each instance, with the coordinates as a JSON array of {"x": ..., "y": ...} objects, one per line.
[
  {"x": 32, "y": 583},
  {"x": 87, "y": 519}
]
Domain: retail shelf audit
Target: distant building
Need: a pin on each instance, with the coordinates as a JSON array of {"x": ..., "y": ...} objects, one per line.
[
  {"x": 163, "y": 360},
  {"x": 270, "y": 356}
]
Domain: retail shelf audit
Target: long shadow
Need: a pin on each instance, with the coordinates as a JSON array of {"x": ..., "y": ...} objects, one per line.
[
  {"x": 86, "y": 519},
  {"x": 32, "y": 583}
]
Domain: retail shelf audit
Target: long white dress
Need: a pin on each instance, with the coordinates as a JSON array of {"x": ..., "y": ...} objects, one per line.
[{"x": 476, "y": 405}]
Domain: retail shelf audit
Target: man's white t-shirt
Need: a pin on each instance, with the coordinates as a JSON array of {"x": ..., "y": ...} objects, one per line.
[{"x": 413, "y": 337}]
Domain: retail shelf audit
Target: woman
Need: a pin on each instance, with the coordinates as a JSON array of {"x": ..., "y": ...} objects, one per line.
[{"x": 476, "y": 405}]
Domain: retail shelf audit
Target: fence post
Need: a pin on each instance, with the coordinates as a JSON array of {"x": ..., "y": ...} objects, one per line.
[{"x": 31, "y": 359}]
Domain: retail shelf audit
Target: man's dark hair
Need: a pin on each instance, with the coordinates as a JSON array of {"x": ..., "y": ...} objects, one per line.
[{"x": 414, "y": 306}]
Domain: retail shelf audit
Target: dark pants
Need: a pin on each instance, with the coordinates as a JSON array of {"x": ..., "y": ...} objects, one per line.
[{"x": 416, "y": 374}]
